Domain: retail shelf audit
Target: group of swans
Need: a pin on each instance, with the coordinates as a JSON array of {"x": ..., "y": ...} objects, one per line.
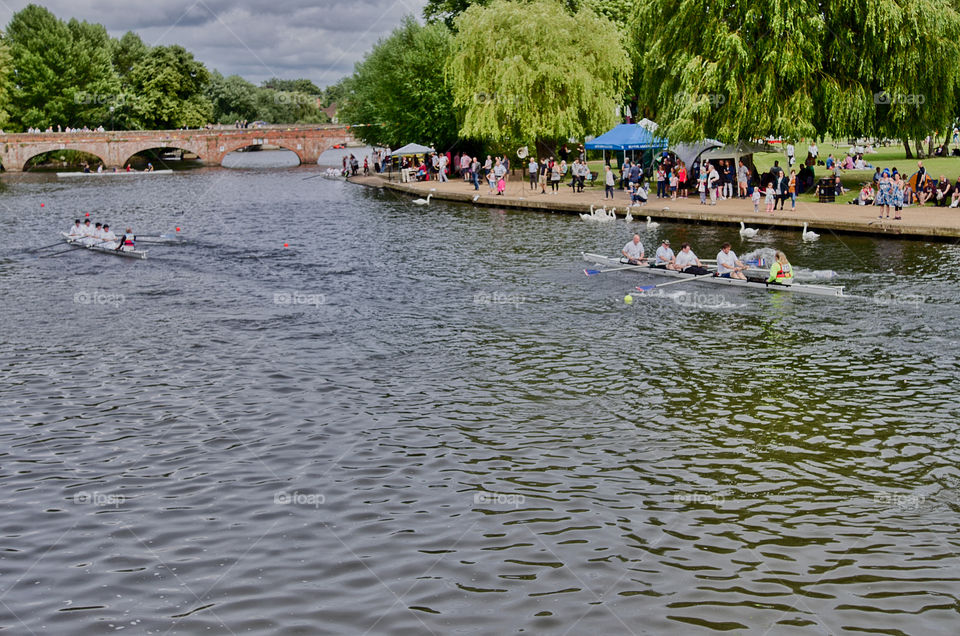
[{"x": 600, "y": 214}]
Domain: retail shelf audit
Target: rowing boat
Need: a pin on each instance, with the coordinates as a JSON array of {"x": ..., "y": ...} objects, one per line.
[
  {"x": 141, "y": 254},
  {"x": 118, "y": 173},
  {"x": 798, "y": 288}
]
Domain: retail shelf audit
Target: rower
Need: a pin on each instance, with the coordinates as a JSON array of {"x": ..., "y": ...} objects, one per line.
[
  {"x": 781, "y": 272},
  {"x": 633, "y": 251},
  {"x": 728, "y": 265},
  {"x": 127, "y": 242},
  {"x": 665, "y": 257},
  {"x": 87, "y": 231},
  {"x": 108, "y": 238},
  {"x": 93, "y": 236},
  {"x": 688, "y": 263},
  {"x": 76, "y": 231}
]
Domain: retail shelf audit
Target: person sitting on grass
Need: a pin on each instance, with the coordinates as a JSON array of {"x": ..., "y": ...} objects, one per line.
[
  {"x": 956, "y": 194},
  {"x": 925, "y": 193},
  {"x": 943, "y": 191},
  {"x": 865, "y": 197}
]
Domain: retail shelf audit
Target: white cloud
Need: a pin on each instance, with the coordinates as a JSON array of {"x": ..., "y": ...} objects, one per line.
[{"x": 320, "y": 40}]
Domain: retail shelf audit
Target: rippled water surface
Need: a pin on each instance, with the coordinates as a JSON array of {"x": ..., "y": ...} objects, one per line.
[{"x": 428, "y": 420}]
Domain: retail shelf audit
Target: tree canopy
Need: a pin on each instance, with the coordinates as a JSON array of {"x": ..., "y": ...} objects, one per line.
[
  {"x": 400, "y": 87},
  {"x": 761, "y": 67},
  {"x": 526, "y": 72}
]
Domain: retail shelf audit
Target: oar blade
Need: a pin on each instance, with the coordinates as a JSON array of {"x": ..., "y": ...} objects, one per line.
[
  {"x": 591, "y": 272},
  {"x": 645, "y": 288}
]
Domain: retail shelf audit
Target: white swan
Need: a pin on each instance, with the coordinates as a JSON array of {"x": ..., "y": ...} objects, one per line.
[
  {"x": 586, "y": 217},
  {"x": 599, "y": 213},
  {"x": 612, "y": 213},
  {"x": 629, "y": 216},
  {"x": 423, "y": 201},
  {"x": 809, "y": 235},
  {"x": 652, "y": 224},
  {"x": 747, "y": 232}
]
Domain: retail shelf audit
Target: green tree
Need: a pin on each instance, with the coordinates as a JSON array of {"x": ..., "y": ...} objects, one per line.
[
  {"x": 729, "y": 72},
  {"x": 286, "y": 107},
  {"x": 6, "y": 81},
  {"x": 525, "y": 72},
  {"x": 233, "y": 98},
  {"x": 168, "y": 87},
  {"x": 803, "y": 69},
  {"x": 447, "y": 11},
  {"x": 400, "y": 86},
  {"x": 62, "y": 71},
  {"x": 292, "y": 86}
]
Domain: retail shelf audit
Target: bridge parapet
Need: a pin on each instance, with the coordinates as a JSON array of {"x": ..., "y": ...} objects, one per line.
[{"x": 115, "y": 148}]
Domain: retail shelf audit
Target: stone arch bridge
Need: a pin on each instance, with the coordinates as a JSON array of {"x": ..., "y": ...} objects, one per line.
[{"x": 115, "y": 148}]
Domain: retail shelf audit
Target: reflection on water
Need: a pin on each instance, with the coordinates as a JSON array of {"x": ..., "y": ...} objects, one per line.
[{"x": 430, "y": 421}]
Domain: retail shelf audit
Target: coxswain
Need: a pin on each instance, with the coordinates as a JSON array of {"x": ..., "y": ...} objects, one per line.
[
  {"x": 633, "y": 251},
  {"x": 76, "y": 231},
  {"x": 665, "y": 257},
  {"x": 728, "y": 265},
  {"x": 688, "y": 262},
  {"x": 127, "y": 242},
  {"x": 108, "y": 239},
  {"x": 781, "y": 272},
  {"x": 149, "y": 168}
]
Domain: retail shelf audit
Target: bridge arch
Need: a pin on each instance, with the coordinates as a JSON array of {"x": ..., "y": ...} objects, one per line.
[
  {"x": 42, "y": 149},
  {"x": 286, "y": 144},
  {"x": 133, "y": 150}
]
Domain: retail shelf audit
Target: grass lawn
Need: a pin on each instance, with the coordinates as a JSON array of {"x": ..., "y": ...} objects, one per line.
[{"x": 892, "y": 156}]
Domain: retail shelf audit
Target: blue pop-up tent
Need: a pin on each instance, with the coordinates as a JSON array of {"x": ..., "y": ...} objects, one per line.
[
  {"x": 627, "y": 137},
  {"x": 630, "y": 137}
]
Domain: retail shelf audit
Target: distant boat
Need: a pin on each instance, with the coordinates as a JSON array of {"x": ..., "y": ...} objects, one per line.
[{"x": 119, "y": 173}]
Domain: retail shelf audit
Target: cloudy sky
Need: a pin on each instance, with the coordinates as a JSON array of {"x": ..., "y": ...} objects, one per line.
[{"x": 257, "y": 39}]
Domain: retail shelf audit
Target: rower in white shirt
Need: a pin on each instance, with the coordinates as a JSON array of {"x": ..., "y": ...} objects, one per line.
[
  {"x": 688, "y": 262},
  {"x": 92, "y": 235},
  {"x": 633, "y": 251},
  {"x": 665, "y": 257},
  {"x": 728, "y": 265},
  {"x": 77, "y": 230},
  {"x": 108, "y": 238}
]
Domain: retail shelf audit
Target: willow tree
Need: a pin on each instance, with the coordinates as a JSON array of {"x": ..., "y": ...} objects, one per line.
[
  {"x": 535, "y": 72},
  {"x": 807, "y": 68},
  {"x": 730, "y": 71},
  {"x": 890, "y": 68}
]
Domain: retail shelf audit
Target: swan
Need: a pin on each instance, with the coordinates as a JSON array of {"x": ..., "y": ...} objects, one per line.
[
  {"x": 586, "y": 217},
  {"x": 612, "y": 213},
  {"x": 652, "y": 224},
  {"x": 809, "y": 235},
  {"x": 629, "y": 216},
  {"x": 599, "y": 213},
  {"x": 747, "y": 232},
  {"x": 423, "y": 201}
]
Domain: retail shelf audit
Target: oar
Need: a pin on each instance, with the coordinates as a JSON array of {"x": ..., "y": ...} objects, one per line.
[
  {"x": 594, "y": 272},
  {"x": 60, "y": 242},
  {"x": 313, "y": 177},
  {"x": 52, "y": 254},
  {"x": 673, "y": 282}
]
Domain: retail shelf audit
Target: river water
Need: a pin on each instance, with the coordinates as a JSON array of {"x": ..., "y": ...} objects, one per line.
[{"x": 428, "y": 420}]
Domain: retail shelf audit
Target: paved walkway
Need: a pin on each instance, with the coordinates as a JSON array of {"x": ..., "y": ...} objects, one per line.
[{"x": 927, "y": 222}]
